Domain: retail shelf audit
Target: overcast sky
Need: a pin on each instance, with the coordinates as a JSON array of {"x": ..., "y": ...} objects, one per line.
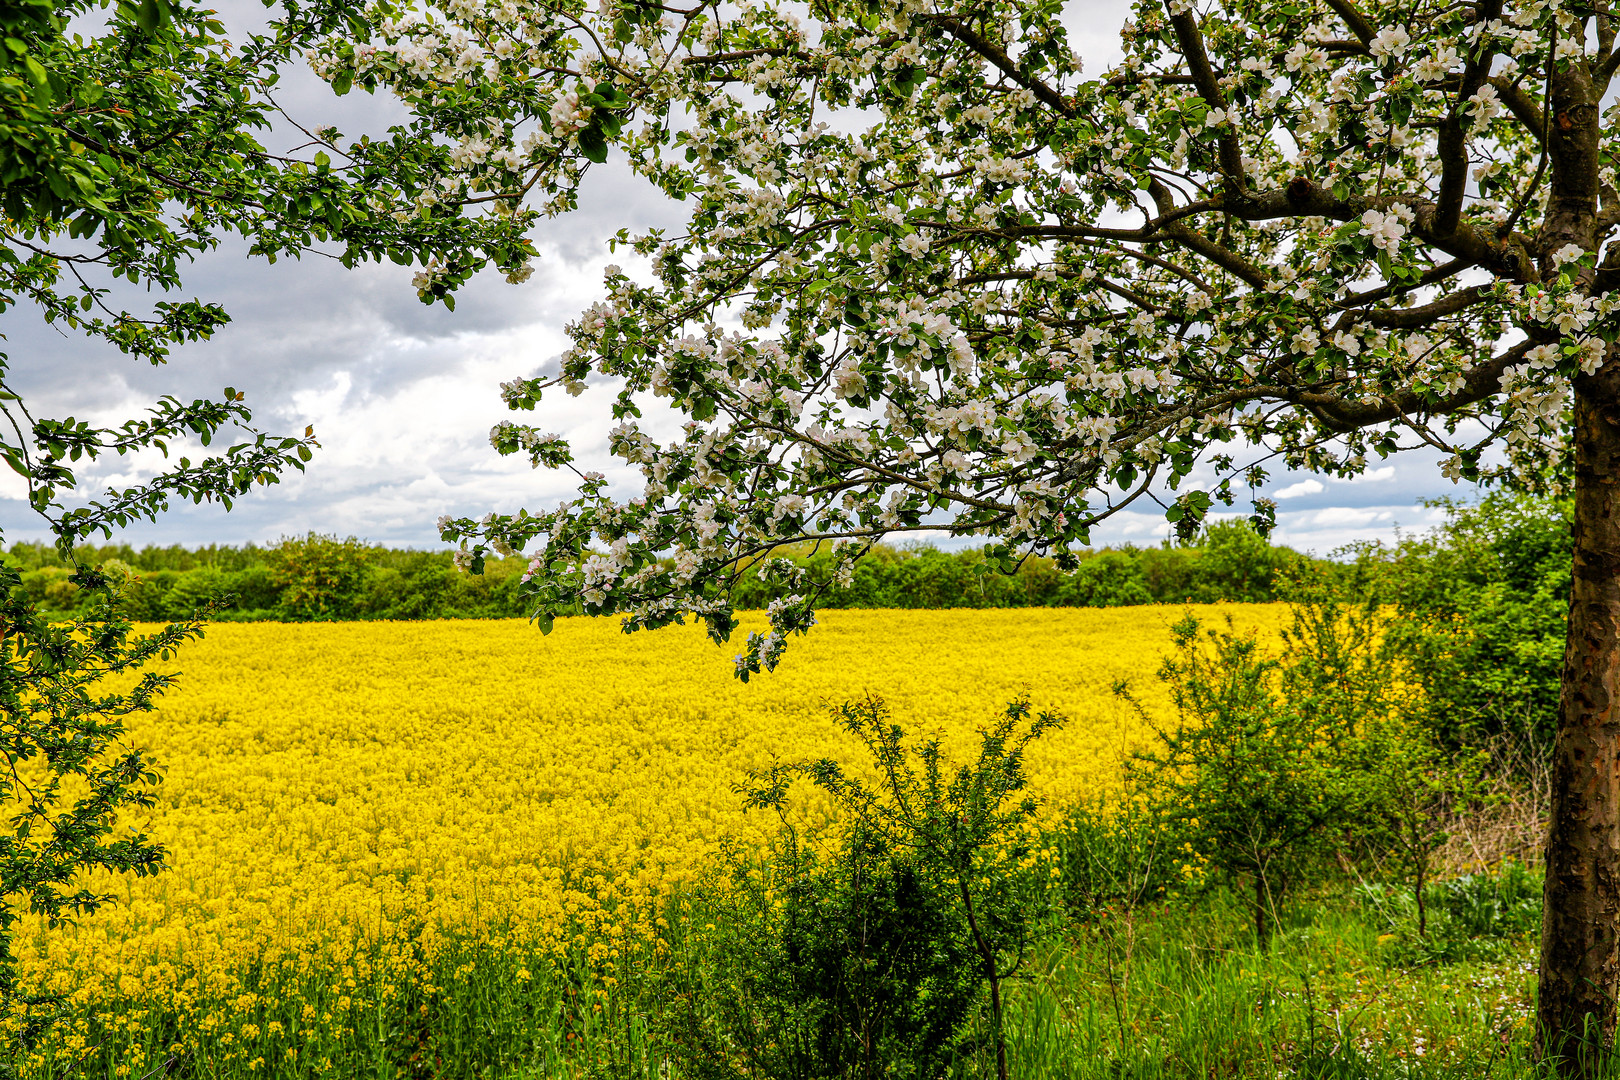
[{"x": 402, "y": 396}]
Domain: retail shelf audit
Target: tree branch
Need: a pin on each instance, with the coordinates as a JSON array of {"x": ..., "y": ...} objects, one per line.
[
  {"x": 732, "y": 57},
  {"x": 1191, "y": 41},
  {"x": 1521, "y": 105},
  {"x": 1354, "y": 20},
  {"x": 1004, "y": 63},
  {"x": 1415, "y": 317},
  {"x": 1452, "y": 142},
  {"x": 1339, "y": 414}
]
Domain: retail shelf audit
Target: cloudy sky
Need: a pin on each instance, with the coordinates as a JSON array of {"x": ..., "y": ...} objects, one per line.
[{"x": 402, "y": 396}]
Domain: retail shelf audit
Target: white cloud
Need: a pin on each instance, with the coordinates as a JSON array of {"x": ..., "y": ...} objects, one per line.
[
  {"x": 1338, "y": 516},
  {"x": 1307, "y": 486}
]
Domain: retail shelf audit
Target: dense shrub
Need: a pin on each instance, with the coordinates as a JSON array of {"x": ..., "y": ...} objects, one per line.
[
  {"x": 868, "y": 960},
  {"x": 1484, "y": 602},
  {"x": 1230, "y": 561},
  {"x": 853, "y": 963}
]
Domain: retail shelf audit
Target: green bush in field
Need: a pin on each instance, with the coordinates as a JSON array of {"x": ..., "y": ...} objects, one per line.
[
  {"x": 1483, "y": 604},
  {"x": 867, "y": 960},
  {"x": 1346, "y": 663},
  {"x": 1281, "y": 767},
  {"x": 853, "y": 963},
  {"x": 1246, "y": 775},
  {"x": 1409, "y": 788},
  {"x": 320, "y": 577},
  {"x": 197, "y": 590}
]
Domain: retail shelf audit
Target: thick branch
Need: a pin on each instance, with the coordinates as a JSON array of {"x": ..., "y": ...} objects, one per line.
[
  {"x": 1452, "y": 143},
  {"x": 1354, "y": 20},
  {"x": 1573, "y": 142},
  {"x": 1005, "y": 64},
  {"x": 1430, "y": 276},
  {"x": 1520, "y": 104},
  {"x": 1342, "y": 415},
  {"x": 1191, "y": 41},
  {"x": 1414, "y": 317},
  {"x": 1505, "y": 257}
]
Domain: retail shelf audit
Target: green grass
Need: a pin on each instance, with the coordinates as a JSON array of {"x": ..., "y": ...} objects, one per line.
[
  {"x": 1180, "y": 992},
  {"x": 1173, "y": 990}
]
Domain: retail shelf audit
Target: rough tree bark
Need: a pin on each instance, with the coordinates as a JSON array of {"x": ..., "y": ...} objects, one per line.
[
  {"x": 1580, "y": 964},
  {"x": 1580, "y": 967}
]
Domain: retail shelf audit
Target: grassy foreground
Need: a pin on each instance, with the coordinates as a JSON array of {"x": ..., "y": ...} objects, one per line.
[{"x": 1171, "y": 990}]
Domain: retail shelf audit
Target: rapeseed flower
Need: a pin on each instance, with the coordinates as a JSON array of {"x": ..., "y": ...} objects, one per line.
[{"x": 338, "y": 796}]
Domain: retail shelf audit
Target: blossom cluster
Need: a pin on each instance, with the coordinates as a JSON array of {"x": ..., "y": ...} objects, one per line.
[{"x": 936, "y": 277}]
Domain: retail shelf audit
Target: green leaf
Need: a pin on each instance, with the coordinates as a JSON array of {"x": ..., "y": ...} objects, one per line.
[
  {"x": 592, "y": 143},
  {"x": 152, "y": 14}
]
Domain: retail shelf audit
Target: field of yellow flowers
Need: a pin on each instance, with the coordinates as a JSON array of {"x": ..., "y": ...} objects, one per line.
[{"x": 328, "y": 782}]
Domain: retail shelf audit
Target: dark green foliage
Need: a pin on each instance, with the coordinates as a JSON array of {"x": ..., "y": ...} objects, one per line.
[
  {"x": 1491, "y": 905},
  {"x": 1231, "y": 562},
  {"x": 319, "y": 577},
  {"x": 866, "y": 961},
  {"x": 340, "y": 579},
  {"x": 1484, "y": 603},
  {"x": 853, "y": 964}
]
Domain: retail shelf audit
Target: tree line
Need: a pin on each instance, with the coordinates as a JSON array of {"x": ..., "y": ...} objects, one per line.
[
  {"x": 1484, "y": 596},
  {"x": 324, "y": 577}
]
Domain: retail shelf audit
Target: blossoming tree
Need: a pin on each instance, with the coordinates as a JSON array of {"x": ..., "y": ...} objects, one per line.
[{"x": 935, "y": 277}]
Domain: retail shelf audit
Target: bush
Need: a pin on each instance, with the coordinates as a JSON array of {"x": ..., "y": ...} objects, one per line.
[
  {"x": 1483, "y": 607},
  {"x": 1278, "y": 766},
  {"x": 866, "y": 962},
  {"x": 319, "y": 577},
  {"x": 854, "y": 964},
  {"x": 1244, "y": 774}
]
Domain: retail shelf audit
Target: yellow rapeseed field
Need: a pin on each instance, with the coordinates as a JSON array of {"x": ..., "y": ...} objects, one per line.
[{"x": 329, "y": 781}]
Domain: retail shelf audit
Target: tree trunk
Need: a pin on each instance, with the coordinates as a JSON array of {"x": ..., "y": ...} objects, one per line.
[{"x": 1580, "y": 968}]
